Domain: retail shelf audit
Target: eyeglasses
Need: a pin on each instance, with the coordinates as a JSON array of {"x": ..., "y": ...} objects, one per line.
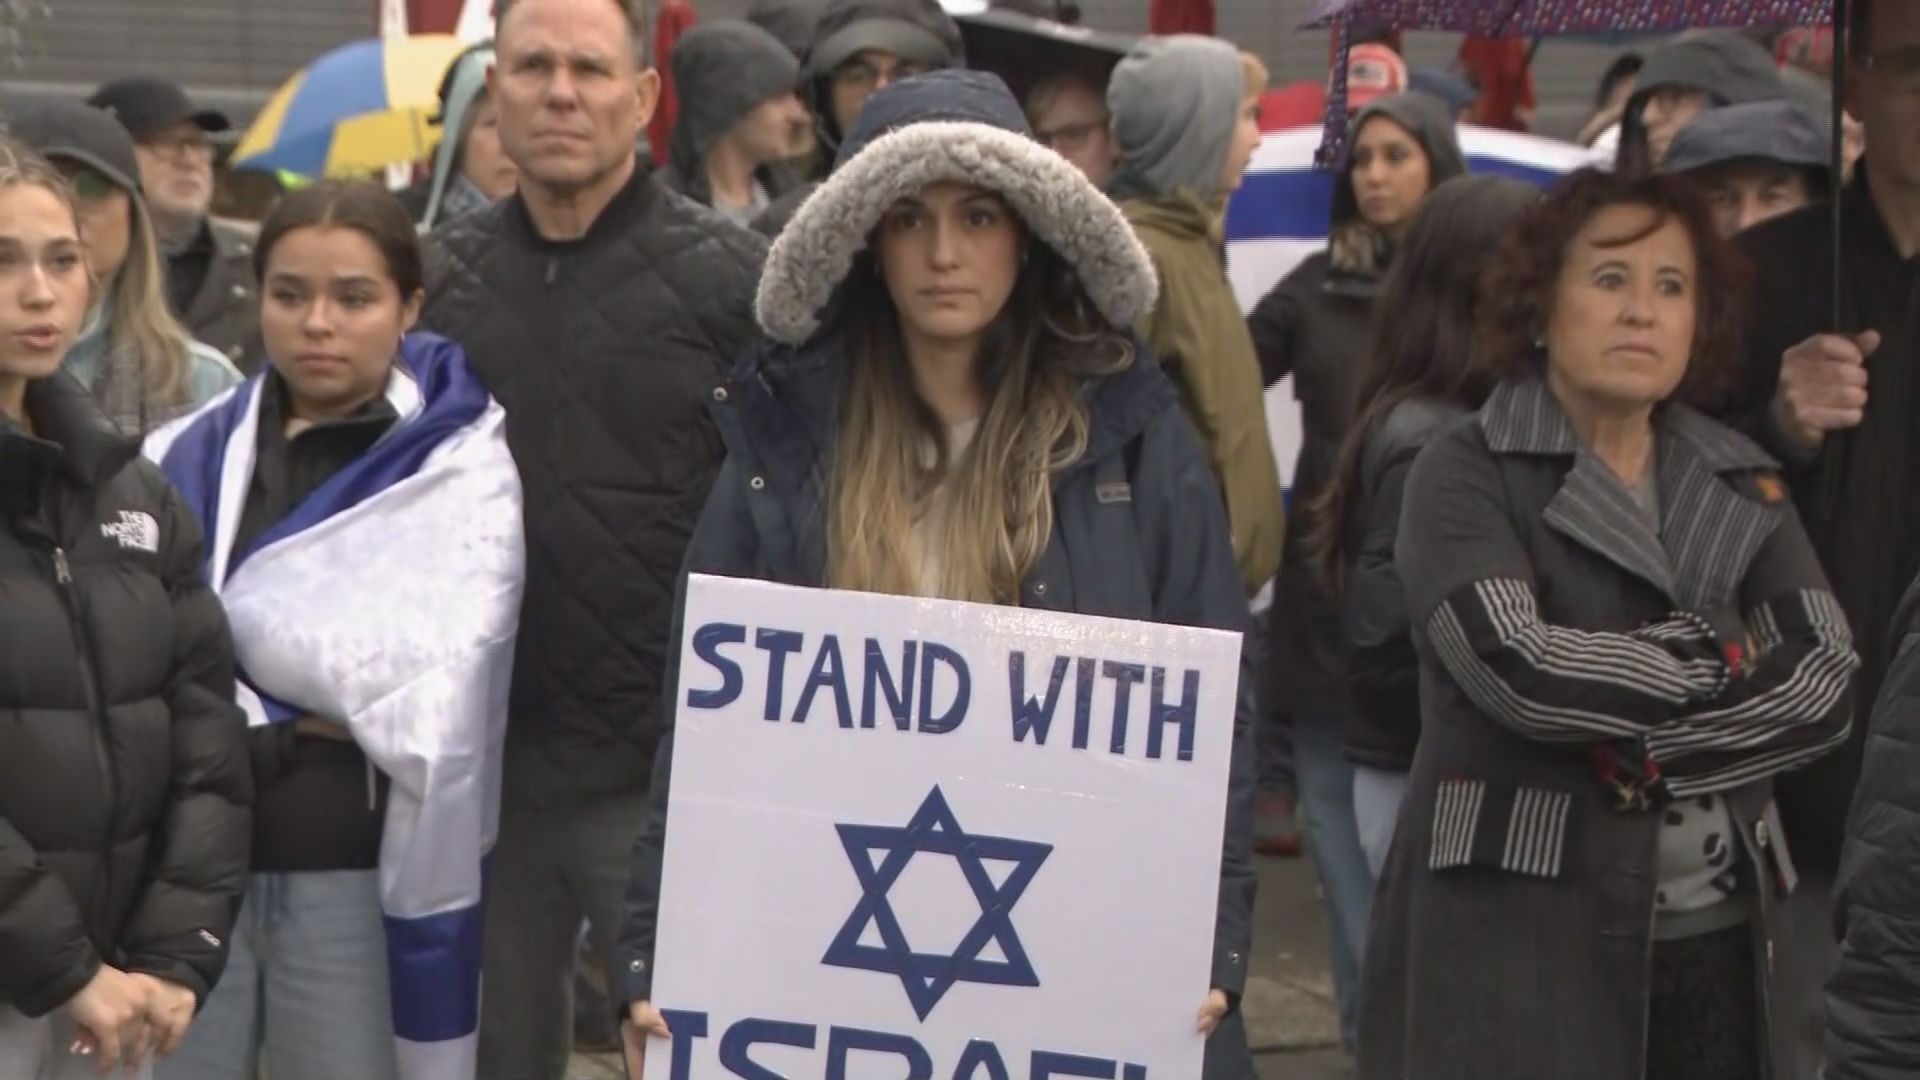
[
  {"x": 90, "y": 186},
  {"x": 862, "y": 75},
  {"x": 1900, "y": 67},
  {"x": 1071, "y": 135},
  {"x": 183, "y": 145}
]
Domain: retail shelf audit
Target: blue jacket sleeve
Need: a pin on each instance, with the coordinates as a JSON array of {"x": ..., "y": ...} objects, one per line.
[
  {"x": 1195, "y": 582},
  {"x": 726, "y": 543}
]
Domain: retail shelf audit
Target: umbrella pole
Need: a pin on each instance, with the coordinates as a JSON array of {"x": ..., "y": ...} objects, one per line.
[
  {"x": 1841, "y": 37},
  {"x": 1834, "y": 472}
]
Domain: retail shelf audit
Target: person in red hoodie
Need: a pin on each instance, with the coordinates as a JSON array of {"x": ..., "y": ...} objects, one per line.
[{"x": 1502, "y": 70}]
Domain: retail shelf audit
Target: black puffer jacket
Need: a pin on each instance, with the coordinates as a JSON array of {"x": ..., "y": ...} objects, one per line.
[
  {"x": 124, "y": 786},
  {"x": 604, "y": 352},
  {"x": 1873, "y": 1030},
  {"x": 1376, "y": 641}
]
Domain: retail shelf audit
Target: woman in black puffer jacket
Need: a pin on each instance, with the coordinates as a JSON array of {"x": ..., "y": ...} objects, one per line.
[{"x": 124, "y": 786}]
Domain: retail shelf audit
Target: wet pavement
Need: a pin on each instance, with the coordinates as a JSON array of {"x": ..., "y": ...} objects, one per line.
[{"x": 1289, "y": 998}]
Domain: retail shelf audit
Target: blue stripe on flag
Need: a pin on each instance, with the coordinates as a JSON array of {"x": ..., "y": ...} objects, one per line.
[
  {"x": 433, "y": 969},
  {"x": 1296, "y": 204},
  {"x": 1288, "y": 204}
]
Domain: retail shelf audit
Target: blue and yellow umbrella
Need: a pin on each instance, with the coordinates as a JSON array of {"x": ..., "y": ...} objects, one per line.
[{"x": 355, "y": 110}]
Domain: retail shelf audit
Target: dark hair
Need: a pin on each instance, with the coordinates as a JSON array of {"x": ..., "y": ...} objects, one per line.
[
  {"x": 1422, "y": 336},
  {"x": 1862, "y": 28},
  {"x": 1516, "y": 293},
  {"x": 1624, "y": 67},
  {"x": 360, "y": 205}
]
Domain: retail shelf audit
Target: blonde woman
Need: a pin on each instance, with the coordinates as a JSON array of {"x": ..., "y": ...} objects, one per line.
[
  {"x": 124, "y": 787},
  {"x": 141, "y": 365},
  {"x": 948, "y": 404}
]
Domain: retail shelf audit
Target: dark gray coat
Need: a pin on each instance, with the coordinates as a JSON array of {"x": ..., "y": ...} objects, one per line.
[
  {"x": 225, "y": 311},
  {"x": 1376, "y": 644},
  {"x": 1316, "y": 325},
  {"x": 1164, "y": 556},
  {"x": 1561, "y": 642},
  {"x": 1873, "y": 1028}
]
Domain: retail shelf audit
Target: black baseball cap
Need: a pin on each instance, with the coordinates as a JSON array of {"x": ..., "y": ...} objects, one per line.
[
  {"x": 59, "y": 130},
  {"x": 147, "y": 106}
]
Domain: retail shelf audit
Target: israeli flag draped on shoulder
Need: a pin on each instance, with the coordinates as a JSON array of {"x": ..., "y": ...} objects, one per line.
[
  {"x": 1280, "y": 214},
  {"x": 388, "y": 601}
]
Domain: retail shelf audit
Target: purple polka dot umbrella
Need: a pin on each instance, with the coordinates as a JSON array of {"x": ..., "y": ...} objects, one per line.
[{"x": 1544, "y": 18}]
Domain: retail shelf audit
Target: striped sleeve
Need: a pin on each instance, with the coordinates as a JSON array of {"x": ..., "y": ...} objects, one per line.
[
  {"x": 1784, "y": 712},
  {"x": 1556, "y": 684}
]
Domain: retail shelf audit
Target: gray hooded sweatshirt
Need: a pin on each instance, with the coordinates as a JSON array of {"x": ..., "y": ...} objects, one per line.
[
  {"x": 722, "y": 71},
  {"x": 1174, "y": 101}
]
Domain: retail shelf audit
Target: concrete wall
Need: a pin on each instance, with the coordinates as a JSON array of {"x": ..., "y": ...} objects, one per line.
[{"x": 233, "y": 53}]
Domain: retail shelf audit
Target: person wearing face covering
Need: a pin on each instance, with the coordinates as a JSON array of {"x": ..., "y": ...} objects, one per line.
[{"x": 740, "y": 122}]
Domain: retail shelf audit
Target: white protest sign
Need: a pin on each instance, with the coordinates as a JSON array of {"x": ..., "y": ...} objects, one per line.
[{"x": 922, "y": 839}]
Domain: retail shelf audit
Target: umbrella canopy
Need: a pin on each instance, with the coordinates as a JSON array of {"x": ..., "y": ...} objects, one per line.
[
  {"x": 1533, "y": 18},
  {"x": 1023, "y": 50},
  {"x": 356, "y": 110},
  {"x": 1539, "y": 18}
]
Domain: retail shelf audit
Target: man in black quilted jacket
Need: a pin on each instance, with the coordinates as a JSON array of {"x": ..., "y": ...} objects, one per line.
[{"x": 603, "y": 311}]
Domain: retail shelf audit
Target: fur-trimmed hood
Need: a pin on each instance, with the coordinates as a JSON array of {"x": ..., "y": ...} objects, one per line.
[{"x": 948, "y": 126}]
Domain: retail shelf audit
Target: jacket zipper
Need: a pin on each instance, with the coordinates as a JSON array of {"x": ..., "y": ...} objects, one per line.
[{"x": 83, "y": 650}]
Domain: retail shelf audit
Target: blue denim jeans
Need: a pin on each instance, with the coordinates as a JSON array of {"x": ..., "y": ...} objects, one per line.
[
  {"x": 1377, "y": 795},
  {"x": 1333, "y": 837},
  {"x": 306, "y": 983}
]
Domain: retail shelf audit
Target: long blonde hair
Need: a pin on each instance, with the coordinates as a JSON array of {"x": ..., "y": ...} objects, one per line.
[
  {"x": 890, "y": 456},
  {"x": 141, "y": 320}
]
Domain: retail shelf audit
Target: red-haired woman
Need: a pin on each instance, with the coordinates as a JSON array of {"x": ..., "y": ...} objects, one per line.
[{"x": 1624, "y": 636}]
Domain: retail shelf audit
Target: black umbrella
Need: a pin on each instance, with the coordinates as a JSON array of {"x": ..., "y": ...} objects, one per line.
[{"x": 1024, "y": 50}]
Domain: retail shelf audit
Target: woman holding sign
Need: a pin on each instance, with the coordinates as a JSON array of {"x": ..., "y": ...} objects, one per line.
[
  {"x": 951, "y": 405},
  {"x": 1624, "y": 636}
]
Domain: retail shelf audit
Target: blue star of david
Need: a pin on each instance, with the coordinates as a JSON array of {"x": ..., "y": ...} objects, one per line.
[{"x": 928, "y": 976}]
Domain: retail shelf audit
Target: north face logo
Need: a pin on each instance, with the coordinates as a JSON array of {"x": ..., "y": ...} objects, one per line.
[{"x": 135, "y": 531}]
